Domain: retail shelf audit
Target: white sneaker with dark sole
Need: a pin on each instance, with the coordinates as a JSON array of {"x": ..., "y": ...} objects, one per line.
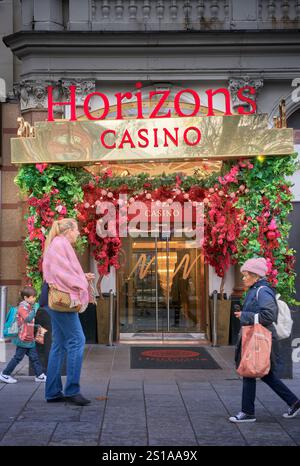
[
  {"x": 242, "y": 417},
  {"x": 41, "y": 378},
  {"x": 7, "y": 378}
]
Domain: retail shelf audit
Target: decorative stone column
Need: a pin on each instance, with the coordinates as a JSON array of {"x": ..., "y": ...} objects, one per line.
[
  {"x": 236, "y": 83},
  {"x": 11, "y": 215}
]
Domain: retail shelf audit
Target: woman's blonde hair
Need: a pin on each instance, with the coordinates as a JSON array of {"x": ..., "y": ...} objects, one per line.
[{"x": 59, "y": 227}]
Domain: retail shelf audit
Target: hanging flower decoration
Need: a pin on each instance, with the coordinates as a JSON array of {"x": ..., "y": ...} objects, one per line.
[{"x": 246, "y": 208}]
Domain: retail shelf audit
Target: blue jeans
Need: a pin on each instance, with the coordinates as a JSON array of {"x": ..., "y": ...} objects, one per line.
[
  {"x": 249, "y": 391},
  {"x": 19, "y": 355},
  {"x": 67, "y": 339}
]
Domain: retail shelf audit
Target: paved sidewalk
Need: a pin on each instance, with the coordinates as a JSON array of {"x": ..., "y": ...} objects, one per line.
[{"x": 144, "y": 407}]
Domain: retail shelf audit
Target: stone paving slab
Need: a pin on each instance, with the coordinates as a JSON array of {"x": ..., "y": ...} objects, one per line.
[
  {"x": 94, "y": 411},
  {"x": 54, "y": 413},
  {"x": 113, "y": 439},
  {"x": 76, "y": 433},
  {"x": 4, "y": 426},
  {"x": 266, "y": 433},
  {"x": 179, "y": 441},
  {"x": 144, "y": 407},
  {"x": 29, "y": 433}
]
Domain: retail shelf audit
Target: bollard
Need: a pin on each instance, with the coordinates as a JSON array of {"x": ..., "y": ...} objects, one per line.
[
  {"x": 215, "y": 298},
  {"x": 3, "y": 305},
  {"x": 111, "y": 318}
]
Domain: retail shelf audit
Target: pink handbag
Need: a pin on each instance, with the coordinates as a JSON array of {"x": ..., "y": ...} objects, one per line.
[{"x": 256, "y": 350}]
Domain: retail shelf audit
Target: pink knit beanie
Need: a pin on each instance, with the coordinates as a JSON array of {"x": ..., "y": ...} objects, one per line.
[{"x": 258, "y": 266}]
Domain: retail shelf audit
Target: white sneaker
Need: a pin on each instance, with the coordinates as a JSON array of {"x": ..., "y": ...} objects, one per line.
[
  {"x": 7, "y": 378},
  {"x": 41, "y": 378}
]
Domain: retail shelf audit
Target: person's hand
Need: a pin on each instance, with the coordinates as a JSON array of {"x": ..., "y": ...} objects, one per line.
[
  {"x": 90, "y": 276},
  {"x": 238, "y": 314}
]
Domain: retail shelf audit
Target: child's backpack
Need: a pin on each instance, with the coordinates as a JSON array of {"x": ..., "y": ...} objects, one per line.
[
  {"x": 284, "y": 323},
  {"x": 11, "y": 324}
]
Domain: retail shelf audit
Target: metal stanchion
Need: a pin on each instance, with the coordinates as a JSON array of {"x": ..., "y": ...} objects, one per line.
[
  {"x": 3, "y": 305},
  {"x": 111, "y": 318},
  {"x": 215, "y": 298}
]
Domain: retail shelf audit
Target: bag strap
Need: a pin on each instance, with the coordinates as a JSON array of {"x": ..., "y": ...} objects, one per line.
[
  {"x": 93, "y": 292},
  {"x": 259, "y": 288},
  {"x": 263, "y": 286},
  {"x": 92, "y": 288}
]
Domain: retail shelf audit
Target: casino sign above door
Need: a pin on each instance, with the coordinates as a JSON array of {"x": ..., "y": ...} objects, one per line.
[
  {"x": 172, "y": 136},
  {"x": 218, "y": 137}
]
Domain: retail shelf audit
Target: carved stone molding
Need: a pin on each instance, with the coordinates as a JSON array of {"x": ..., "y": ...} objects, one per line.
[
  {"x": 33, "y": 94},
  {"x": 83, "y": 88},
  {"x": 236, "y": 83}
]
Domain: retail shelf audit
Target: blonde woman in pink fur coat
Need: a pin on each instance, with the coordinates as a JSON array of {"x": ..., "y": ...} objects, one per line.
[{"x": 62, "y": 268}]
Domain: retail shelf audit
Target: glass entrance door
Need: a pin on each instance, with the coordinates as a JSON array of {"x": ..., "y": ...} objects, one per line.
[{"x": 161, "y": 286}]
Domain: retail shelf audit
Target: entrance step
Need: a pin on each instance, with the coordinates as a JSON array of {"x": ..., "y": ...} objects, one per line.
[{"x": 167, "y": 338}]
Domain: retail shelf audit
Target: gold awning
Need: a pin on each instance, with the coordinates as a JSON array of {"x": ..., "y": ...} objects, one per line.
[{"x": 222, "y": 137}]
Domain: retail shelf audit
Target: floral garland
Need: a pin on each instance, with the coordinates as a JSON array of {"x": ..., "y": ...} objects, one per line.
[
  {"x": 266, "y": 230},
  {"x": 51, "y": 192},
  {"x": 245, "y": 211}
]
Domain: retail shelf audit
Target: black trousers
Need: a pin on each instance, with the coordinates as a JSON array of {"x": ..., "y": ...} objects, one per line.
[{"x": 249, "y": 391}]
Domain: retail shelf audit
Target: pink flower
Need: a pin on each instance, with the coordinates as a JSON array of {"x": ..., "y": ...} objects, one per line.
[
  {"x": 272, "y": 225},
  {"x": 30, "y": 224},
  {"x": 41, "y": 167},
  {"x": 61, "y": 209}
]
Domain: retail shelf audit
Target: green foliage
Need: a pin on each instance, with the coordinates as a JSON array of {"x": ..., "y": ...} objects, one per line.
[
  {"x": 81, "y": 244},
  {"x": 33, "y": 184},
  {"x": 264, "y": 181},
  {"x": 68, "y": 180},
  {"x": 135, "y": 184}
]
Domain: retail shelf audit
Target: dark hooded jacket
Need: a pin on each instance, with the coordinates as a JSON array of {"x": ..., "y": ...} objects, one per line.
[{"x": 263, "y": 302}]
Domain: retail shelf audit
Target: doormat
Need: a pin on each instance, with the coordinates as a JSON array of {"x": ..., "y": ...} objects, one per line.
[{"x": 172, "y": 357}]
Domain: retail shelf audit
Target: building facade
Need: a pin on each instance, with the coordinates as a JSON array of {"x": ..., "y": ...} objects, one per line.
[{"x": 109, "y": 46}]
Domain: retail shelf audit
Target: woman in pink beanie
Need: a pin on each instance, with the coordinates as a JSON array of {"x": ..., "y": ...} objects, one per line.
[{"x": 260, "y": 299}]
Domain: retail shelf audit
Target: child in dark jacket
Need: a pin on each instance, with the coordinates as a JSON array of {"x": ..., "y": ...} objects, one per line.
[{"x": 25, "y": 342}]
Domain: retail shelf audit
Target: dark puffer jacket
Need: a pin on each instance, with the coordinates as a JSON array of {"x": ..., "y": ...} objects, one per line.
[{"x": 264, "y": 303}]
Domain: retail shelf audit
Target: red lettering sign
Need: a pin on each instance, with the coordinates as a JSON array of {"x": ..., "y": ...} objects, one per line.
[{"x": 157, "y": 99}]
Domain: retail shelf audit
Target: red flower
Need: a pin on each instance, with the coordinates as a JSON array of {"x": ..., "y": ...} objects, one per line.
[
  {"x": 41, "y": 167},
  {"x": 271, "y": 235},
  {"x": 107, "y": 174},
  {"x": 178, "y": 180}
]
